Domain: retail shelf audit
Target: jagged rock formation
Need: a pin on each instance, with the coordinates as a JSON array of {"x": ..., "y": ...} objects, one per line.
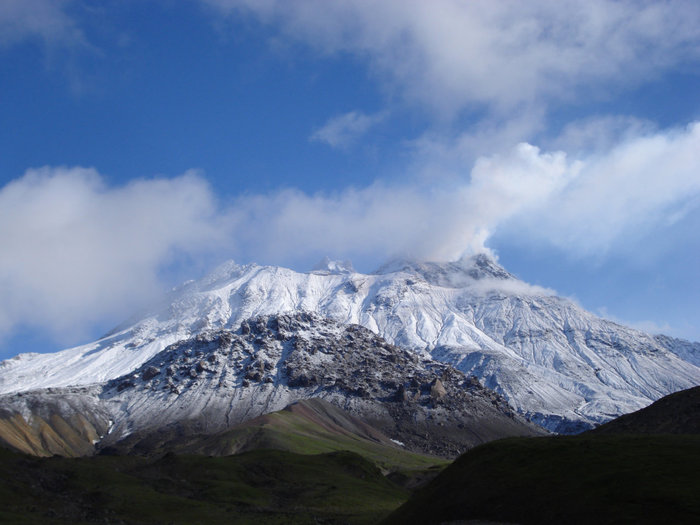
[
  {"x": 219, "y": 379},
  {"x": 554, "y": 362}
]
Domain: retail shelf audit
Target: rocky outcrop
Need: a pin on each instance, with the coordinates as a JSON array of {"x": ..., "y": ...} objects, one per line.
[{"x": 271, "y": 361}]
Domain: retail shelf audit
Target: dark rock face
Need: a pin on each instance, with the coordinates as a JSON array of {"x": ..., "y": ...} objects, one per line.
[
  {"x": 425, "y": 405},
  {"x": 150, "y": 372}
]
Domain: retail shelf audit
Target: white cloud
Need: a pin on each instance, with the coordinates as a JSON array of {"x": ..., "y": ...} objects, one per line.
[
  {"x": 585, "y": 205},
  {"x": 453, "y": 54},
  {"x": 342, "y": 130},
  {"x": 616, "y": 197},
  {"x": 75, "y": 251},
  {"x": 378, "y": 222},
  {"x": 409, "y": 219},
  {"x": 508, "y": 287},
  {"x": 46, "y": 20}
]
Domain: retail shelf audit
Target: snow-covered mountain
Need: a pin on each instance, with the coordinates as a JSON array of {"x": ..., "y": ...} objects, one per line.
[
  {"x": 212, "y": 382},
  {"x": 553, "y": 361}
]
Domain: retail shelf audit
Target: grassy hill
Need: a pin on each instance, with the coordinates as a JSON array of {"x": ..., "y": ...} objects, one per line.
[{"x": 315, "y": 463}]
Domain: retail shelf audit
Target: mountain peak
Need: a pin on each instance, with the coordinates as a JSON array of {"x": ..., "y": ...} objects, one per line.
[
  {"x": 482, "y": 265},
  {"x": 328, "y": 266},
  {"x": 455, "y": 274}
]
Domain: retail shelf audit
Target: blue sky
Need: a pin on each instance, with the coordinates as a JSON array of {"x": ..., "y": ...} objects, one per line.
[{"x": 143, "y": 142}]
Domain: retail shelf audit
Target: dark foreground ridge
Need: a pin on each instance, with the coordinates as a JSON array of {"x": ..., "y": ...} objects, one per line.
[
  {"x": 640, "y": 468},
  {"x": 579, "y": 479},
  {"x": 677, "y": 413}
]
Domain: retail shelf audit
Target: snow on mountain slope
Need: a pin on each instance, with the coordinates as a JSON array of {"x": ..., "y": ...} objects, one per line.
[
  {"x": 553, "y": 361},
  {"x": 213, "y": 381}
]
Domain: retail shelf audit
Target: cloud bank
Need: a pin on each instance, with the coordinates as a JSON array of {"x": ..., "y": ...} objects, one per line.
[
  {"x": 76, "y": 250},
  {"x": 640, "y": 184},
  {"x": 582, "y": 205}
]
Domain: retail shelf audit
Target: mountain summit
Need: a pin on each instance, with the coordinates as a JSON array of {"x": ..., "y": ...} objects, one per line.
[
  {"x": 326, "y": 265},
  {"x": 555, "y": 363},
  {"x": 453, "y": 274}
]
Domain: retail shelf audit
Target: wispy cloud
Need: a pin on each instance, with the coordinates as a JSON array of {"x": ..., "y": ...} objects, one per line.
[
  {"x": 490, "y": 74},
  {"x": 450, "y": 55},
  {"x": 584, "y": 204},
  {"x": 600, "y": 133},
  {"x": 343, "y": 130},
  {"x": 45, "y": 20}
]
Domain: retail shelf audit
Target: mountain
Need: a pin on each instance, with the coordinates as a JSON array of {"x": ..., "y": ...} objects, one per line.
[
  {"x": 555, "y": 363},
  {"x": 65, "y": 422},
  {"x": 209, "y": 383}
]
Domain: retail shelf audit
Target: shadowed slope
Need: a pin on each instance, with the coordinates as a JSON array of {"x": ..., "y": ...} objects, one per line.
[
  {"x": 57, "y": 421},
  {"x": 677, "y": 413}
]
